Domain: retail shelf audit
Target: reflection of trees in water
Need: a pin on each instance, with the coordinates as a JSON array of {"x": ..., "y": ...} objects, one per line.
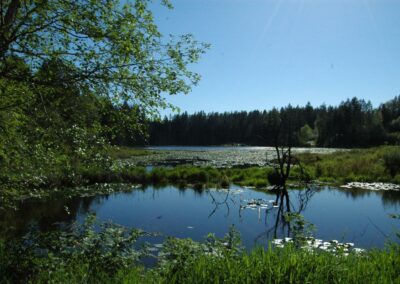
[
  {"x": 390, "y": 198},
  {"x": 52, "y": 213},
  {"x": 47, "y": 214},
  {"x": 44, "y": 215},
  {"x": 224, "y": 202},
  {"x": 283, "y": 163},
  {"x": 278, "y": 226},
  {"x": 275, "y": 218},
  {"x": 182, "y": 188},
  {"x": 356, "y": 193},
  {"x": 283, "y": 167}
]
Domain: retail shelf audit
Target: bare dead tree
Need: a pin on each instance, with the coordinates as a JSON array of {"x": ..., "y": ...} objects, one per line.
[
  {"x": 219, "y": 203},
  {"x": 282, "y": 164}
]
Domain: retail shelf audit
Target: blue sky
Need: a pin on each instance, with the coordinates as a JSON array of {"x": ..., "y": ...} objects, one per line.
[{"x": 268, "y": 53}]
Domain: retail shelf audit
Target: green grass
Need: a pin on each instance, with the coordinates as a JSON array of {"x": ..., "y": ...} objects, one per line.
[
  {"x": 369, "y": 165},
  {"x": 187, "y": 175},
  {"x": 256, "y": 177},
  {"x": 288, "y": 265}
]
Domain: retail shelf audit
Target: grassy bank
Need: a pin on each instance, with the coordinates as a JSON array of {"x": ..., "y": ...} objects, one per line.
[
  {"x": 289, "y": 265},
  {"x": 380, "y": 164},
  {"x": 374, "y": 164},
  {"x": 186, "y": 264},
  {"x": 259, "y": 266}
]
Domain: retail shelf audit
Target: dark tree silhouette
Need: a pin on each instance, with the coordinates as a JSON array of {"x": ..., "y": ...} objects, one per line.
[{"x": 354, "y": 123}]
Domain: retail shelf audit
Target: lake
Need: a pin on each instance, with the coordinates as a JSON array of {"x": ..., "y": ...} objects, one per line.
[
  {"x": 357, "y": 216},
  {"x": 214, "y": 156}
]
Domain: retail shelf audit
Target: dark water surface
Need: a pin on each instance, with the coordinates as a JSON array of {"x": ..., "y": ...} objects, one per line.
[{"x": 357, "y": 216}]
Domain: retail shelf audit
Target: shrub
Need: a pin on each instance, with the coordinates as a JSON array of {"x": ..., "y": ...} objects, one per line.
[
  {"x": 93, "y": 251},
  {"x": 158, "y": 175},
  {"x": 391, "y": 160}
]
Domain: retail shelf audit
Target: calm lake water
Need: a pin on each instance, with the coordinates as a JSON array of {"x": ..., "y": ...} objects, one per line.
[{"x": 357, "y": 216}]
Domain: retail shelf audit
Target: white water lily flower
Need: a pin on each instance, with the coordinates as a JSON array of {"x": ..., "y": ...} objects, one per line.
[
  {"x": 358, "y": 250},
  {"x": 277, "y": 241}
]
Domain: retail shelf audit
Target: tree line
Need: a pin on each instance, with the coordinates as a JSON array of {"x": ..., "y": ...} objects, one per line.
[{"x": 353, "y": 123}]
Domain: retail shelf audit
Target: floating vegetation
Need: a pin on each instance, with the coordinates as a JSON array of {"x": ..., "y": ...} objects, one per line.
[
  {"x": 376, "y": 186},
  {"x": 100, "y": 189},
  {"x": 223, "y": 158},
  {"x": 231, "y": 191},
  {"x": 311, "y": 244},
  {"x": 258, "y": 203}
]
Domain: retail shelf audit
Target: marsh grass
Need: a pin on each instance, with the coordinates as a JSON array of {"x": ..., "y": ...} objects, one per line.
[
  {"x": 186, "y": 175},
  {"x": 290, "y": 265},
  {"x": 380, "y": 164},
  {"x": 283, "y": 265}
]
